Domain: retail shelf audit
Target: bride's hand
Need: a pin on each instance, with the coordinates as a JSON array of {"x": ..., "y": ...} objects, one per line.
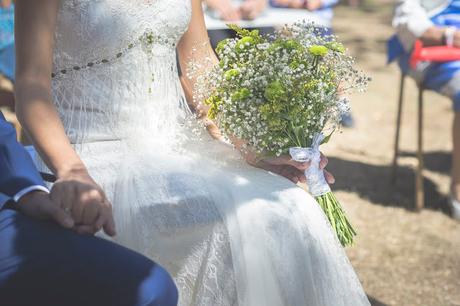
[
  {"x": 213, "y": 129},
  {"x": 80, "y": 196},
  {"x": 285, "y": 166}
]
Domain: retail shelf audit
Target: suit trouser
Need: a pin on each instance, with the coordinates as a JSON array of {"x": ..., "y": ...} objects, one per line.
[{"x": 43, "y": 264}]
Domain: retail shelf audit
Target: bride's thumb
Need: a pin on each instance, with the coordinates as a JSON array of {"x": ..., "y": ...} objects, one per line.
[{"x": 109, "y": 226}]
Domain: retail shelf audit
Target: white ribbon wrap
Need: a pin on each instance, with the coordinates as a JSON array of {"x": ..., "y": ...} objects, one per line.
[{"x": 316, "y": 181}]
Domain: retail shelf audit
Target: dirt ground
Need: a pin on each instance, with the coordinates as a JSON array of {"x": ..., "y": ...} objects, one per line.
[{"x": 401, "y": 256}]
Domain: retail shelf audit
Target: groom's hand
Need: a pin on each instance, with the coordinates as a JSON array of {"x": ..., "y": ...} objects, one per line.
[
  {"x": 79, "y": 195},
  {"x": 38, "y": 205}
]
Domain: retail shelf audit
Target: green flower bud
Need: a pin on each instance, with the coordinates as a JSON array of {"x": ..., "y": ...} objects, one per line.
[
  {"x": 254, "y": 33},
  {"x": 318, "y": 50},
  {"x": 232, "y": 73},
  {"x": 244, "y": 42}
]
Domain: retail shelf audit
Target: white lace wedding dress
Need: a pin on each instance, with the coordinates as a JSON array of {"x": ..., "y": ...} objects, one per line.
[{"x": 230, "y": 234}]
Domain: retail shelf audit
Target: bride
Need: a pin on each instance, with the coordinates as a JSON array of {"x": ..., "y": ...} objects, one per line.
[{"x": 98, "y": 91}]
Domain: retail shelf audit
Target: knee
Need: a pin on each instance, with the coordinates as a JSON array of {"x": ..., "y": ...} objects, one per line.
[{"x": 160, "y": 289}]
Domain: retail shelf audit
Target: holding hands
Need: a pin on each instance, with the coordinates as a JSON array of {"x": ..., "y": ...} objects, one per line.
[
  {"x": 75, "y": 202},
  {"x": 38, "y": 205},
  {"x": 77, "y": 194}
]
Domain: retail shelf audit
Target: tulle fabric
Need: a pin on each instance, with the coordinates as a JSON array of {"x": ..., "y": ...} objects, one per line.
[{"x": 230, "y": 234}]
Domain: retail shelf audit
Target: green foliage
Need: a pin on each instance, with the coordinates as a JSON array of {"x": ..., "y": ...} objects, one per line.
[
  {"x": 243, "y": 32},
  {"x": 335, "y": 46},
  {"x": 221, "y": 46},
  {"x": 241, "y": 94},
  {"x": 213, "y": 102},
  {"x": 275, "y": 92},
  {"x": 230, "y": 74}
]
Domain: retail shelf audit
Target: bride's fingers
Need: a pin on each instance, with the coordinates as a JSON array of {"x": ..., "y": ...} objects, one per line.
[
  {"x": 85, "y": 229},
  {"x": 301, "y": 176},
  {"x": 109, "y": 222},
  {"x": 90, "y": 214},
  {"x": 287, "y": 160},
  {"x": 324, "y": 161},
  {"x": 214, "y": 131},
  {"x": 290, "y": 174},
  {"x": 329, "y": 177},
  {"x": 109, "y": 227}
]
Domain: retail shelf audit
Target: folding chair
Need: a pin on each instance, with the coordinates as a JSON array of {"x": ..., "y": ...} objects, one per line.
[
  {"x": 419, "y": 54},
  {"x": 419, "y": 188}
]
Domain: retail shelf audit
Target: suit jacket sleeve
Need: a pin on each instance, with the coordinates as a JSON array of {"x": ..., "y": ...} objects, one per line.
[{"x": 17, "y": 170}]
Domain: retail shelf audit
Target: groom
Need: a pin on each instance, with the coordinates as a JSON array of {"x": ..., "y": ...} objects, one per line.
[{"x": 42, "y": 263}]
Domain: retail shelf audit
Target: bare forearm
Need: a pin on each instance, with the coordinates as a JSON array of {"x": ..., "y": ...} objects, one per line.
[
  {"x": 34, "y": 35},
  {"x": 40, "y": 120},
  {"x": 194, "y": 47},
  {"x": 433, "y": 36}
]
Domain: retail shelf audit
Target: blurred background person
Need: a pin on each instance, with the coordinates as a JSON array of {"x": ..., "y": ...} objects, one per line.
[
  {"x": 7, "y": 57},
  {"x": 232, "y": 11},
  {"x": 434, "y": 23},
  {"x": 322, "y": 8}
]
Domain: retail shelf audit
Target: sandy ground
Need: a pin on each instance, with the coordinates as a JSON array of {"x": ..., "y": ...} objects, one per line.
[{"x": 401, "y": 256}]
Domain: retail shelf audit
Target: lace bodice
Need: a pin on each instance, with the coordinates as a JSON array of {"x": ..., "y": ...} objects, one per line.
[
  {"x": 91, "y": 30},
  {"x": 114, "y": 68}
]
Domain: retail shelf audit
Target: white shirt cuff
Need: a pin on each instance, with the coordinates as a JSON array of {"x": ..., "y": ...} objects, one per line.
[{"x": 24, "y": 191}]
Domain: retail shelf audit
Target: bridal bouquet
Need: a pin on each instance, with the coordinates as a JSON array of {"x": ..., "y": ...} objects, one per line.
[{"x": 281, "y": 93}]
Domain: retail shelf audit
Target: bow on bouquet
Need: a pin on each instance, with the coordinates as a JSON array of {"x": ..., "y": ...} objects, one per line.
[{"x": 280, "y": 93}]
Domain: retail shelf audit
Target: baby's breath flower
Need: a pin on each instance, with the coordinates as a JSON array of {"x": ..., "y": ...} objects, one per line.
[{"x": 277, "y": 91}]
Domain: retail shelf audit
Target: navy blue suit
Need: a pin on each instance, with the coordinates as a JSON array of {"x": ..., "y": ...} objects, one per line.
[{"x": 44, "y": 264}]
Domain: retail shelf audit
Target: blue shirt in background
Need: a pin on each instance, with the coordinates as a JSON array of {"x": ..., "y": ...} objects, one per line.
[{"x": 7, "y": 56}]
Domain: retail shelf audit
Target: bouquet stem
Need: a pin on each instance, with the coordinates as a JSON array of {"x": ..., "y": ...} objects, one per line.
[
  {"x": 320, "y": 190},
  {"x": 337, "y": 218}
]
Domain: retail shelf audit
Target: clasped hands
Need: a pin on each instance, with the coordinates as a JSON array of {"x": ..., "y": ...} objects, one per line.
[{"x": 75, "y": 202}]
